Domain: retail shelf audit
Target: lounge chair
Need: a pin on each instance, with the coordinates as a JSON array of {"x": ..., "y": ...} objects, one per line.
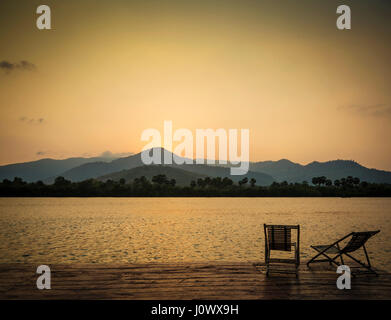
[
  {"x": 358, "y": 240},
  {"x": 278, "y": 237}
]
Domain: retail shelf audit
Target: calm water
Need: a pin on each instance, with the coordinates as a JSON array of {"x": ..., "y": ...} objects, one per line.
[{"x": 123, "y": 230}]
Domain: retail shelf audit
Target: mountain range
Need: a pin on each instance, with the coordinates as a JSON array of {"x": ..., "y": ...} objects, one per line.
[
  {"x": 44, "y": 168},
  {"x": 130, "y": 167},
  {"x": 285, "y": 170}
]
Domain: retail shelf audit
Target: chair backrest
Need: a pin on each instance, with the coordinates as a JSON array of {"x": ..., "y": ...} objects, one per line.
[
  {"x": 278, "y": 237},
  {"x": 358, "y": 240}
]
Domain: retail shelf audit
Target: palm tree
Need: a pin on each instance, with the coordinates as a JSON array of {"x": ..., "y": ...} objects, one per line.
[
  {"x": 243, "y": 181},
  {"x": 253, "y": 182}
]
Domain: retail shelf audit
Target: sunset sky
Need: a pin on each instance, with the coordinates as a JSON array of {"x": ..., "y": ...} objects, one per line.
[{"x": 110, "y": 69}]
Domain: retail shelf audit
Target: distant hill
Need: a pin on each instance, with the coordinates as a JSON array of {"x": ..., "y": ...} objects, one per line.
[
  {"x": 99, "y": 168},
  {"x": 265, "y": 172},
  {"x": 182, "y": 177},
  {"x": 43, "y": 169},
  {"x": 293, "y": 172}
]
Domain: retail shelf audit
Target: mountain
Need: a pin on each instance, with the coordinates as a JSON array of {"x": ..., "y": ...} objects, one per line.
[
  {"x": 280, "y": 170},
  {"x": 265, "y": 172},
  {"x": 44, "y": 168},
  {"x": 182, "y": 177},
  {"x": 293, "y": 172},
  {"x": 99, "y": 168}
]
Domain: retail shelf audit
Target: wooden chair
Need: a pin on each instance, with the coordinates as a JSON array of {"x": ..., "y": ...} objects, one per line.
[
  {"x": 278, "y": 237},
  {"x": 358, "y": 240}
]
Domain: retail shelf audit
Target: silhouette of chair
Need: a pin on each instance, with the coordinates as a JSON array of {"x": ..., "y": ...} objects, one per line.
[
  {"x": 278, "y": 237},
  {"x": 358, "y": 240}
]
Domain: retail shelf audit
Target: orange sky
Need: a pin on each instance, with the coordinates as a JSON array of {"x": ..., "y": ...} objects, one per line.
[{"x": 110, "y": 69}]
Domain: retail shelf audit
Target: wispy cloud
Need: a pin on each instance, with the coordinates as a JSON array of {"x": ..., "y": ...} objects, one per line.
[
  {"x": 8, "y": 67},
  {"x": 27, "y": 120},
  {"x": 376, "y": 110},
  {"x": 109, "y": 154}
]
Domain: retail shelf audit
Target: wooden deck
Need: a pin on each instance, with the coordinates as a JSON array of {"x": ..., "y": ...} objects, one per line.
[{"x": 185, "y": 281}]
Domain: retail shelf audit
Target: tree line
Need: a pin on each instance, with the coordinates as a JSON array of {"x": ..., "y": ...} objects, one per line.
[{"x": 162, "y": 186}]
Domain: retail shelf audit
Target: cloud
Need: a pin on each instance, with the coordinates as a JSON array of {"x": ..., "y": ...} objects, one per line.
[
  {"x": 22, "y": 65},
  {"x": 31, "y": 120},
  {"x": 109, "y": 154},
  {"x": 375, "y": 110}
]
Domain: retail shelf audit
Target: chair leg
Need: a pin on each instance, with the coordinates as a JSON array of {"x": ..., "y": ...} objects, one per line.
[
  {"x": 313, "y": 259},
  {"x": 329, "y": 259},
  {"x": 363, "y": 264},
  {"x": 341, "y": 254},
  {"x": 368, "y": 261}
]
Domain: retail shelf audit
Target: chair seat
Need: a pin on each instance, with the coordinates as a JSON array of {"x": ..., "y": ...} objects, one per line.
[
  {"x": 320, "y": 248},
  {"x": 276, "y": 260}
]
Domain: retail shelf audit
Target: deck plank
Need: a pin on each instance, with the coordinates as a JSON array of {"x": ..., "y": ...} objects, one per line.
[{"x": 185, "y": 281}]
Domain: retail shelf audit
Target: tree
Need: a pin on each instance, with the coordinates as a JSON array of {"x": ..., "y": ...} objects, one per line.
[
  {"x": 40, "y": 183},
  {"x": 349, "y": 180},
  {"x": 227, "y": 182},
  {"x": 172, "y": 182},
  {"x": 61, "y": 181},
  {"x": 6, "y": 182},
  {"x": 337, "y": 183},
  {"x": 364, "y": 184},
  {"x": 216, "y": 182},
  {"x": 243, "y": 181},
  {"x": 356, "y": 181},
  {"x": 18, "y": 181},
  {"x": 319, "y": 180},
  {"x": 253, "y": 182},
  {"x": 200, "y": 182},
  {"x": 122, "y": 181},
  {"x": 193, "y": 184},
  {"x": 160, "y": 179},
  {"x": 329, "y": 182},
  {"x": 142, "y": 180}
]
